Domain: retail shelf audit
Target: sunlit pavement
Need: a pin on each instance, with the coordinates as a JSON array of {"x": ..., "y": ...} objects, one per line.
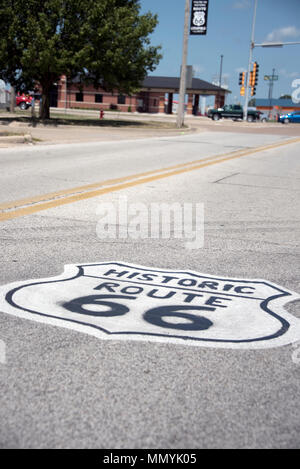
[{"x": 65, "y": 388}]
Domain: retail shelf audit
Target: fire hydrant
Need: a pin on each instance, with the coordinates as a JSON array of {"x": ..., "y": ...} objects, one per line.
[{"x": 101, "y": 114}]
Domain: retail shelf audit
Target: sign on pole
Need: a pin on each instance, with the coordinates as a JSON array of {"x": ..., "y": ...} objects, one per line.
[
  {"x": 199, "y": 17},
  {"x": 271, "y": 77}
]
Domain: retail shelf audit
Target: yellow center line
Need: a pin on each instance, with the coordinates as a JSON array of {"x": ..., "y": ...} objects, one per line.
[
  {"x": 109, "y": 182},
  {"x": 124, "y": 183}
]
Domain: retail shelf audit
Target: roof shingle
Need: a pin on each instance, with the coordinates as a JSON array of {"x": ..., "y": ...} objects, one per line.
[{"x": 174, "y": 83}]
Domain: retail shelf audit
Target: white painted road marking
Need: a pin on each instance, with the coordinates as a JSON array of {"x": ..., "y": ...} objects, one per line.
[{"x": 113, "y": 300}]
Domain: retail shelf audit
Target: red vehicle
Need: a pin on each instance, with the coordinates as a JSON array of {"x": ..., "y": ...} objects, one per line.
[{"x": 23, "y": 101}]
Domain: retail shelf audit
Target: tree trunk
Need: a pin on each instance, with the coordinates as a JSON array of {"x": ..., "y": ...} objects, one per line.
[
  {"x": 12, "y": 104},
  {"x": 45, "y": 104}
]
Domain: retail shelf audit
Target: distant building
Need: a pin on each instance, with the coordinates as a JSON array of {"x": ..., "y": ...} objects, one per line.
[
  {"x": 277, "y": 105},
  {"x": 155, "y": 96}
]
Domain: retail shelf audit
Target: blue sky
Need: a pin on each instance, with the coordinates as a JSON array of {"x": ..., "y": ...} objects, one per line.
[{"x": 229, "y": 32}]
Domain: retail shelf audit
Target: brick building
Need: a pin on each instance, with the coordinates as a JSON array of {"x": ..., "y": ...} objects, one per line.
[{"x": 155, "y": 96}]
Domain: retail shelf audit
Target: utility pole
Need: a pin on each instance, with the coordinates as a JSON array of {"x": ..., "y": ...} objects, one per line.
[
  {"x": 221, "y": 67},
  {"x": 271, "y": 84},
  {"x": 220, "y": 81},
  {"x": 182, "y": 89},
  {"x": 252, "y": 45},
  {"x": 271, "y": 79}
]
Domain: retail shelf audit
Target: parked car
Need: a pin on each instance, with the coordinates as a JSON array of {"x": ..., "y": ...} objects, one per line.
[
  {"x": 263, "y": 117},
  {"x": 23, "y": 101},
  {"x": 290, "y": 117}
]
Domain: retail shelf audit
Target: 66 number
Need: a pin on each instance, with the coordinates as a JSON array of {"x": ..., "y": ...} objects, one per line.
[{"x": 103, "y": 306}]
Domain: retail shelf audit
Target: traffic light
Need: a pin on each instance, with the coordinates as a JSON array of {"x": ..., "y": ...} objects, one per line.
[
  {"x": 242, "y": 83},
  {"x": 254, "y": 78},
  {"x": 251, "y": 79},
  {"x": 242, "y": 78},
  {"x": 255, "y": 73}
]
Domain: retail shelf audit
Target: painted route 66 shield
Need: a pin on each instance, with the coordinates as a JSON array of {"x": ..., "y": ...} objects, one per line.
[{"x": 113, "y": 300}]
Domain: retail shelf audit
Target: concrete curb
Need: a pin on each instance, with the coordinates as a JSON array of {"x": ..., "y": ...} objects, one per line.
[{"x": 27, "y": 138}]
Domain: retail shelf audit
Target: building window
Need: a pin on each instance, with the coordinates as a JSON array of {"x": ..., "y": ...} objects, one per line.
[
  {"x": 79, "y": 96},
  {"x": 98, "y": 98},
  {"x": 154, "y": 102},
  {"x": 121, "y": 99}
]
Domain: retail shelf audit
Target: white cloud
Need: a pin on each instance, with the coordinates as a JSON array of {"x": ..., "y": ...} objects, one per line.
[
  {"x": 241, "y": 4},
  {"x": 240, "y": 70},
  {"x": 284, "y": 73},
  {"x": 198, "y": 70},
  {"x": 288, "y": 32}
]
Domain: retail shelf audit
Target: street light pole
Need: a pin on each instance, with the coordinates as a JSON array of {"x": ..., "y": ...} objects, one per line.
[
  {"x": 182, "y": 89},
  {"x": 276, "y": 44},
  {"x": 252, "y": 45},
  {"x": 264, "y": 44}
]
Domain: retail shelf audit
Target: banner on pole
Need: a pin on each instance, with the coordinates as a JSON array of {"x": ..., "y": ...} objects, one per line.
[{"x": 199, "y": 17}]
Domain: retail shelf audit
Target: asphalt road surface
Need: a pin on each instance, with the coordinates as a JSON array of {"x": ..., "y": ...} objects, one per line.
[{"x": 65, "y": 388}]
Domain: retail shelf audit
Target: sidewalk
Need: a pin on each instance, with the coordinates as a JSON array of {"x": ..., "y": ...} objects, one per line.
[
  {"x": 85, "y": 126},
  {"x": 114, "y": 127}
]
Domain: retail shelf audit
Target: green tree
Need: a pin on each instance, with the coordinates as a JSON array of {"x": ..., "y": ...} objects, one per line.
[
  {"x": 106, "y": 41},
  {"x": 286, "y": 96}
]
